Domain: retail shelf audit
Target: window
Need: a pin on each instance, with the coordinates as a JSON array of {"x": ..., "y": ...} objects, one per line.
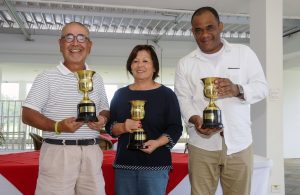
[{"x": 10, "y": 91}]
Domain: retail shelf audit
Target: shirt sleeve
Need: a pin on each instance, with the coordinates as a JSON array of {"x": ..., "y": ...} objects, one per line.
[
  {"x": 184, "y": 93},
  {"x": 256, "y": 87},
  {"x": 38, "y": 94},
  {"x": 173, "y": 120},
  {"x": 103, "y": 97}
]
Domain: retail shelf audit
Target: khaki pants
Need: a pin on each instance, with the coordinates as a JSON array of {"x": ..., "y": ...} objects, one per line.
[
  {"x": 207, "y": 167},
  {"x": 70, "y": 170}
]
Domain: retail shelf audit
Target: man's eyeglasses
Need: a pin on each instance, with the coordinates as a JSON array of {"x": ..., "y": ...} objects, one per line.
[{"x": 70, "y": 38}]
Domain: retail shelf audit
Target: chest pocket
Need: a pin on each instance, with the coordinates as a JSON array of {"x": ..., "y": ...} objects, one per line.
[
  {"x": 233, "y": 70},
  {"x": 233, "y": 73}
]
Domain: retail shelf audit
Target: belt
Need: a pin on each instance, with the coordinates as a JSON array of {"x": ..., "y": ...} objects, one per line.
[{"x": 79, "y": 142}]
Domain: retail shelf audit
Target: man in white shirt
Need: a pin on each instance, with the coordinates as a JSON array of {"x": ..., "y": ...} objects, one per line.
[{"x": 214, "y": 154}]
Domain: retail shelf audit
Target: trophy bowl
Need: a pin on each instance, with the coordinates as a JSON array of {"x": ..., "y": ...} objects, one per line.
[
  {"x": 212, "y": 118},
  {"x": 138, "y": 136},
  {"x": 86, "y": 109}
]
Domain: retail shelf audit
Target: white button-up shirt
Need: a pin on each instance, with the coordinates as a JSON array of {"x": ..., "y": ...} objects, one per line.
[{"x": 236, "y": 62}]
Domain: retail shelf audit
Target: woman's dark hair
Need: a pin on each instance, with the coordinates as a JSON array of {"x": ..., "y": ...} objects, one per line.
[
  {"x": 151, "y": 51},
  {"x": 201, "y": 10}
]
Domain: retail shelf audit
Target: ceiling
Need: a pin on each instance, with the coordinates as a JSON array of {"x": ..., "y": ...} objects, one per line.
[{"x": 136, "y": 19}]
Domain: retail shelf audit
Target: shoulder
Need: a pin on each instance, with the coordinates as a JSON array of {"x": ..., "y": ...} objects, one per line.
[
  {"x": 97, "y": 77},
  {"x": 53, "y": 72},
  {"x": 122, "y": 90},
  {"x": 189, "y": 56},
  {"x": 239, "y": 47},
  {"x": 167, "y": 91}
]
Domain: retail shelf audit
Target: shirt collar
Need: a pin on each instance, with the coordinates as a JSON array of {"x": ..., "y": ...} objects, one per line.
[
  {"x": 227, "y": 47},
  {"x": 65, "y": 71}
]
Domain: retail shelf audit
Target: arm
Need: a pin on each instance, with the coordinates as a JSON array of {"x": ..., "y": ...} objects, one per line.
[
  {"x": 171, "y": 129},
  {"x": 256, "y": 87},
  {"x": 198, "y": 121},
  {"x": 36, "y": 119},
  {"x": 102, "y": 120},
  {"x": 126, "y": 127},
  {"x": 153, "y": 144},
  {"x": 186, "y": 96}
]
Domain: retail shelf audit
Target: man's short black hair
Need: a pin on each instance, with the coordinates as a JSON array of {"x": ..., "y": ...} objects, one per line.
[{"x": 201, "y": 10}]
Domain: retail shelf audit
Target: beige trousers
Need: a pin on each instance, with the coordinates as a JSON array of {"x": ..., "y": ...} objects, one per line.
[
  {"x": 207, "y": 167},
  {"x": 70, "y": 170}
]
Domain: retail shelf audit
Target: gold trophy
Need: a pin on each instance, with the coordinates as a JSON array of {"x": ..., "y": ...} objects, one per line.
[
  {"x": 212, "y": 114},
  {"x": 86, "y": 110},
  {"x": 138, "y": 137}
]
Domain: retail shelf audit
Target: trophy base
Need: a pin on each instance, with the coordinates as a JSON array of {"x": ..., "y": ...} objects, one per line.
[
  {"x": 212, "y": 126},
  {"x": 86, "y": 112},
  {"x": 137, "y": 140},
  {"x": 87, "y": 117},
  {"x": 212, "y": 119}
]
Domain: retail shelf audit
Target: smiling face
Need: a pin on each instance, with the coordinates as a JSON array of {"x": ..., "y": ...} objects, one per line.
[
  {"x": 74, "y": 52},
  {"x": 142, "y": 66},
  {"x": 207, "y": 32}
]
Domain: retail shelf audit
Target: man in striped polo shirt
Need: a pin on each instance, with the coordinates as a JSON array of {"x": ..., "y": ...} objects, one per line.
[{"x": 70, "y": 157}]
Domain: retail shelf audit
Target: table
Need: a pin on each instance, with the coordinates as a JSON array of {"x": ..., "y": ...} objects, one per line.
[{"x": 21, "y": 170}]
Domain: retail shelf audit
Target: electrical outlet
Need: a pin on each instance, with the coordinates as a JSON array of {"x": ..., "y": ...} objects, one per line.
[{"x": 275, "y": 188}]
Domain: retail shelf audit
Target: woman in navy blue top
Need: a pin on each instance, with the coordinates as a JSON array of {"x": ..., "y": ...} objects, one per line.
[{"x": 144, "y": 171}]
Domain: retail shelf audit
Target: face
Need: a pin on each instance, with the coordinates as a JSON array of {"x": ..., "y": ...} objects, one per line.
[
  {"x": 207, "y": 32},
  {"x": 142, "y": 66},
  {"x": 74, "y": 52}
]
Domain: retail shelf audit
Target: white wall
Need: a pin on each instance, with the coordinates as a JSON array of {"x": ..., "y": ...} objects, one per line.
[
  {"x": 291, "y": 101},
  {"x": 291, "y": 111}
]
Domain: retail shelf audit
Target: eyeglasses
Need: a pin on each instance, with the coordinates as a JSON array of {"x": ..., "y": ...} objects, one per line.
[{"x": 70, "y": 38}]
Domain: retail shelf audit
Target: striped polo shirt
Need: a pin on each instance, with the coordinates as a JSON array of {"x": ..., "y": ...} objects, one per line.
[{"x": 55, "y": 94}]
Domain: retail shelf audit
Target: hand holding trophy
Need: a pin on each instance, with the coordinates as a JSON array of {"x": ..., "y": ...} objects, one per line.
[
  {"x": 86, "y": 109},
  {"x": 138, "y": 137},
  {"x": 212, "y": 118}
]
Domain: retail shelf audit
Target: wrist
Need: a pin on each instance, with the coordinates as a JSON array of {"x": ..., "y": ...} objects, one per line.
[
  {"x": 104, "y": 119},
  {"x": 56, "y": 128}
]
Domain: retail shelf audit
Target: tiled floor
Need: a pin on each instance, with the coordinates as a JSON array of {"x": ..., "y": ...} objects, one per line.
[{"x": 292, "y": 176}]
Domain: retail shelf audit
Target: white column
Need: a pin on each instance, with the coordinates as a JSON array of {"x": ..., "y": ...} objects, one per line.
[
  {"x": 266, "y": 39},
  {"x": 0, "y": 82}
]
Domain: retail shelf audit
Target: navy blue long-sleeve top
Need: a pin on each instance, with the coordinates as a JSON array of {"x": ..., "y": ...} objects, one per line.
[{"x": 162, "y": 116}]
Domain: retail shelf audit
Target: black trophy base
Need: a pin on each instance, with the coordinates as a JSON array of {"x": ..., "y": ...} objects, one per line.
[
  {"x": 136, "y": 141},
  {"x": 86, "y": 112},
  {"x": 212, "y": 126},
  {"x": 87, "y": 117},
  {"x": 212, "y": 119}
]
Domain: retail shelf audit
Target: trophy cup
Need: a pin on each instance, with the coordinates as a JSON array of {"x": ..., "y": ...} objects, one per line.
[
  {"x": 86, "y": 110},
  {"x": 212, "y": 114},
  {"x": 138, "y": 137}
]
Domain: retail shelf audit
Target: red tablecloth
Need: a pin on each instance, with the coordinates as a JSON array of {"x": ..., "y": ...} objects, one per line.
[{"x": 21, "y": 169}]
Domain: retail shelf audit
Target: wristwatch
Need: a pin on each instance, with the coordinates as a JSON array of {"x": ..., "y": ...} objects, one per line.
[{"x": 241, "y": 91}]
